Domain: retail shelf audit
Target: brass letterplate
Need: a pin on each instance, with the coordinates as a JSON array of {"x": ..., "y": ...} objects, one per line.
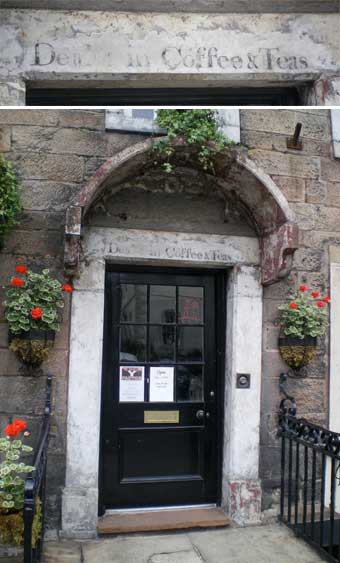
[{"x": 156, "y": 417}]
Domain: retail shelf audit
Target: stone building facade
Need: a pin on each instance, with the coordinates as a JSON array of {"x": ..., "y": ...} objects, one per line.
[
  {"x": 216, "y": 53},
  {"x": 134, "y": 213}
]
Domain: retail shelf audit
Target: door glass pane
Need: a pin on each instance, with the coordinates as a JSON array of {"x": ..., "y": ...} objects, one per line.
[
  {"x": 189, "y": 385},
  {"x": 133, "y": 303},
  {"x": 190, "y": 305},
  {"x": 162, "y": 304},
  {"x": 162, "y": 343},
  {"x": 132, "y": 343},
  {"x": 190, "y": 344}
]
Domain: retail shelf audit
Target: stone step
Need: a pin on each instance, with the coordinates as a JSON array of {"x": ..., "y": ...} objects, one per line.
[
  {"x": 124, "y": 522},
  {"x": 62, "y": 552}
]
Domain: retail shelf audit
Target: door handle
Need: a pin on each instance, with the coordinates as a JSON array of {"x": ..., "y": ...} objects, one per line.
[{"x": 200, "y": 414}]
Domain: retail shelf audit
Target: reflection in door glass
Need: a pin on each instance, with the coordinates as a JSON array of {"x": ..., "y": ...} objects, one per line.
[
  {"x": 133, "y": 303},
  {"x": 190, "y": 305},
  {"x": 190, "y": 344},
  {"x": 132, "y": 343},
  {"x": 189, "y": 385},
  {"x": 162, "y": 304},
  {"x": 162, "y": 343}
]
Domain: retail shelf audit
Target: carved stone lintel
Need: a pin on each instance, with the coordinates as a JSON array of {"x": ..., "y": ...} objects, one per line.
[{"x": 277, "y": 252}]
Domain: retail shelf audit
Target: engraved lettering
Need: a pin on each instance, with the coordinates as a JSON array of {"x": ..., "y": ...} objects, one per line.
[{"x": 44, "y": 54}]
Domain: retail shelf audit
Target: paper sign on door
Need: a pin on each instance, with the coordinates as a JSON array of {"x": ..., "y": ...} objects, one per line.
[
  {"x": 161, "y": 384},
  {"x": 131, "y": 384}
]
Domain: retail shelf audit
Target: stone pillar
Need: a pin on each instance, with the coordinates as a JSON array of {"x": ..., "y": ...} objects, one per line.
[
  {"x": 80, "y": 496},
  {"x": 241, "y": 489},
  {"x": 12, "y": 91},
  {"x": 324, "y": 92}
]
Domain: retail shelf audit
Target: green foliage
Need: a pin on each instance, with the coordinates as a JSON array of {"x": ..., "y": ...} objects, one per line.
[
  {"x": 197, "y": 127},
  {"x": 12, "y": 527},
  {"x": 11, "y": 474},
  {"x": 306, "y": 319},
  {"x": 9, "y": 198},
  {"x": 39, "y": 291}
]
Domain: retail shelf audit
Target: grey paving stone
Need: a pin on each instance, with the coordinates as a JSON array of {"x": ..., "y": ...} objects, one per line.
[{"x": 261, "y": 544}]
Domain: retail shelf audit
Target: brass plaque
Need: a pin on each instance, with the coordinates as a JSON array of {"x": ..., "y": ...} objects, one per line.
[{"x": 155, "y": 417}]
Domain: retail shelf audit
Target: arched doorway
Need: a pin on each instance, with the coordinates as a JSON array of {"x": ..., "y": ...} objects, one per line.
[{"x": 241, "y": 225}]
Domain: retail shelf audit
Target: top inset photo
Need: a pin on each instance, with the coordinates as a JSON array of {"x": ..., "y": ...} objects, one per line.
[{"x": 169, "y": 52}]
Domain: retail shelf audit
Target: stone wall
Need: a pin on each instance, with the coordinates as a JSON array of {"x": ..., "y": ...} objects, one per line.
[
  {"x": 54, "y": 151},
  {"x": 310, "y": 180}
]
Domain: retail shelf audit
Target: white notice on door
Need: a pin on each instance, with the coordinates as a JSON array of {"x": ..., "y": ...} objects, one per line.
[
  {"x": 131, "y": 384},
  {"x": 161, "y": 384}
]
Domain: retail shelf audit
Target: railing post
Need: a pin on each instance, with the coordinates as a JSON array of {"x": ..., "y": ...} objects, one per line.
[{"x": 28, "y": 515}]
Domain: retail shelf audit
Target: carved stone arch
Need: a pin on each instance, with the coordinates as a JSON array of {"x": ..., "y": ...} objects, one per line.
[{"x": 238, "y": 177}]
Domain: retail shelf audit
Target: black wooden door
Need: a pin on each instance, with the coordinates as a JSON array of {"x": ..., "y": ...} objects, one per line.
[{"x": 159, "y": 438}]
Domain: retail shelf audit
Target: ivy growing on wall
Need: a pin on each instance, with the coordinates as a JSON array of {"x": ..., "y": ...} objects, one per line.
[
  {"x": 9, "y": 198},
  {"x": 197, "y": 127}
]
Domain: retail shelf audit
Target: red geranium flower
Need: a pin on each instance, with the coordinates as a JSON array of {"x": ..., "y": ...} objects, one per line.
[
  {"x": 303, "y": 288},
  {"x": 293, "y": 305},
  {"x": 36, "y": 313},
  {"x": 12, "y": 430},
  {"x": 326, "y": 299},
  {"x": 20, "y": 424},
  {"x": 320, "y": 304},
  {"x": 315, "y": 294},
  {"x": 21, "y": 269},
  {"x": 67, "y": 287},
  {"x": 17, "y": 282}
]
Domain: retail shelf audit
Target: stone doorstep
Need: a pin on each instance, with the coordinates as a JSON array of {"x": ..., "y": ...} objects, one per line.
[{"x": 162, "y": 520}]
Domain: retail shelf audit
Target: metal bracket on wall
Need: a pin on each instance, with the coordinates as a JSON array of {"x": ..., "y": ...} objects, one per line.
[
  {"x": 295, "y": 143},
  {"x": 288, "y": 404}
]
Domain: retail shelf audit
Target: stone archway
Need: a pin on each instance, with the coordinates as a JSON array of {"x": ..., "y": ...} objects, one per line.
[
  {"x": 239, "y": 177},
  {"x": 250, "y": 262}
]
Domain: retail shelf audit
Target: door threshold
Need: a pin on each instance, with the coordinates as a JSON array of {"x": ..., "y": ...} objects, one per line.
[
  {"x": 163, "y": 519},
  {"x": 157, "y": 508}
]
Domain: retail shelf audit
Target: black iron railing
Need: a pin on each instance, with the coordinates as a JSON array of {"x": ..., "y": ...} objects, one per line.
[
  {"x": 310, "y": 478},
  {"x": 35, "y": 485}
]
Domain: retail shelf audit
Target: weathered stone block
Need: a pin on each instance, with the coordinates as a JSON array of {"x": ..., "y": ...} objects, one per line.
[
  {"x": 270, "y": 336},
  {"x": 23, "y": 395},
  {"x": 308, "y": 259},
  {"x": 305, "y": 215},
  {"x": 322, "y": 192},
  {"x": 59, "y": 140},
  {"x": 5, "y": 139},
  {"x": 45, "y": 195},
  {"x": 294, "y": 189},
  {"x": 330, "y": 170},
  {"x": 327, "y": 218},
  {"x": 40, "y": 166},
  {"x": 270, "y": 458},
  {"x": 281, "y": 290},
  {"x": 41, "y": 221},
  {"x": 288, "y": 164},
  {"x": 34, "y": 243},
  {"x": 314, "y": 126},
  {"x": 31, "y": 117},
  {"x": 270, "y": 310},
  {"x": 89, "y": 119}
]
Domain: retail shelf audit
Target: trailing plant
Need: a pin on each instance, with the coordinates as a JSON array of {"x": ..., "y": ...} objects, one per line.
[
  {"x": 12, "y": 473},
  {"x": 306, "y": 315},
  {"x": 197, "y": 127},
  {"x": 9, "y": 198}
]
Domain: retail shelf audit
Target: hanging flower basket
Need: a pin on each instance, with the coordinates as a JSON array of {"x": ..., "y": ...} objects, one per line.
[
  {"x": 303, "y": 320},
  {"x": 32, "y": 347},
  {"x": 297, "y": 352},
  {"x": 32, "y": 311}
]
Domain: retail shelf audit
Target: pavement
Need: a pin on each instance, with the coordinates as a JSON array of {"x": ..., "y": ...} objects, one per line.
[{"x": 261, "y": 544}]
